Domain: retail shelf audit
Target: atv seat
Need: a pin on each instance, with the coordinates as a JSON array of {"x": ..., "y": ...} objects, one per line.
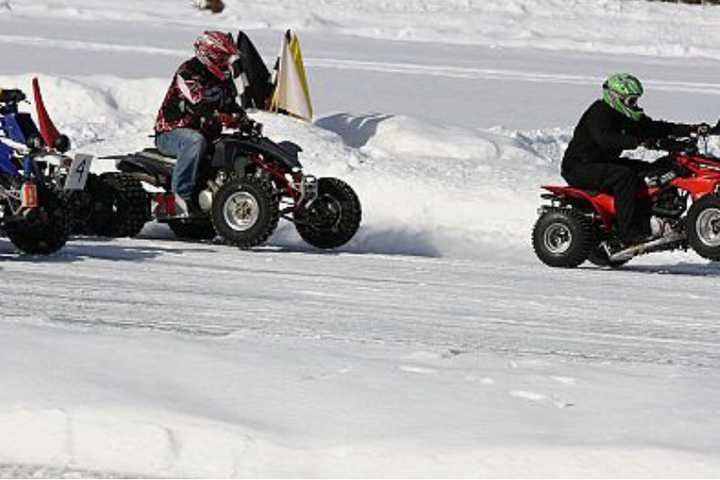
[
  {"x": 149, "y": 165},
  {"x": 565, "y": 188},
  {"x": 154, "y": 154}
]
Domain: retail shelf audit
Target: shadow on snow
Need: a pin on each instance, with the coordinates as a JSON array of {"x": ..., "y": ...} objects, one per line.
[
  {"x": 79, "y": 252},
  {"x": 710, "y": 269}
]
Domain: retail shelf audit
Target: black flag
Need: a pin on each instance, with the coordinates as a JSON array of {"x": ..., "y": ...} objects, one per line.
[{"x": 259, "y": 86}]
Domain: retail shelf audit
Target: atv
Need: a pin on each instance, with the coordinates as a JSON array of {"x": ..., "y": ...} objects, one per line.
[
  {"x": 111, "y": 205},
  {"x": 32, "y": 213},
  {"x": 246, "y": 183},
  {"x": 108, "y": 205},
  {"x": 682, "y": 191}
]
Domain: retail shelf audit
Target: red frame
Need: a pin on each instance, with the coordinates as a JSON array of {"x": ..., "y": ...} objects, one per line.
[
  {"x": 277, "y": 174},
  {"x": 704, "y": 179}
]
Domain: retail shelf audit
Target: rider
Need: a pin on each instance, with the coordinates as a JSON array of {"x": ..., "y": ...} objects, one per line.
[
  {"x": 199, "y": 103},
  {"x": 592, "y": 160}
]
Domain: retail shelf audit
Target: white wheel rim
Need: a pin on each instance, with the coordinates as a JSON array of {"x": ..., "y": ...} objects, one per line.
[
  {"x": 241, "y": 211},
  {"x": 707, "y": 227},
  {"x": 557, "y": 238}
]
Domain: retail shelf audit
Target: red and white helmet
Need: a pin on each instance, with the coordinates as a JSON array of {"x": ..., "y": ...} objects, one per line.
[{"x": 217, "y": 51}]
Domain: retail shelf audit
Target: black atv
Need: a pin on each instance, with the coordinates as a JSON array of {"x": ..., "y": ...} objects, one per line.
[
  {"x": 245, "y": 184},
  {"x": 112, "y": 204}
]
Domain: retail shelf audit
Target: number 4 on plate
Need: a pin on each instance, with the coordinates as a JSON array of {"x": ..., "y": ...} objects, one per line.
[{"x": 79, "y": 171}]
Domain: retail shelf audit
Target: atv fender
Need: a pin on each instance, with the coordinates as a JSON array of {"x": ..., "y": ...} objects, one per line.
[
  {"x": 227, "y": 150},
  {"x": 602, "y": 203}
]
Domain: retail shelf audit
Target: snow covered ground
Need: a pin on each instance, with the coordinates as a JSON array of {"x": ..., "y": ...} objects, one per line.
[
  {"x": 293, "y": 363},
  {"x": 434, "y": 344}
]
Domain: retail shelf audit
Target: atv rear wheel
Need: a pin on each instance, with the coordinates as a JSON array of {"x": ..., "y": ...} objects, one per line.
[
  {"x": 333, "y": 218},
  {"x": 119, "y": 206},
  {"x": 47, "y": 228},
  {"x": 195, "y": 229},
  {"x": 245, "y": 211},
  {"x": 703, "y": 226},
  {"x": 563, "y": 237}
]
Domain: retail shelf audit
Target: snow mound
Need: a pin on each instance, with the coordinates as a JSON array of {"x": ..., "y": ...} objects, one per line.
[
  {"x": 449, "y": 189},
  {"x": 426, "y": 189}
]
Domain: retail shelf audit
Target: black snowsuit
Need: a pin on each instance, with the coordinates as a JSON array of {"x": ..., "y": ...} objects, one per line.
[{"x": 592, "y": 161}]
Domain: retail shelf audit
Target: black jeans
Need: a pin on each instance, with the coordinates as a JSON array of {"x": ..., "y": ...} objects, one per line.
[{"x": 623, "y": 178}]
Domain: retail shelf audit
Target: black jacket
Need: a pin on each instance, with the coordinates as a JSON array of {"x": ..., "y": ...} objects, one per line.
[
  {"x": 186, "y": 104},
  {"x": 603, "y": 133}
]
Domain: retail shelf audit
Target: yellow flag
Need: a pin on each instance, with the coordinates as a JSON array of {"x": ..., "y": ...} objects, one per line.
[{"x": 292, "y": 94}]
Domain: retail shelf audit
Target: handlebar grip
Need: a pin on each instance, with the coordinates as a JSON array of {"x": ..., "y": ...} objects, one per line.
[{"x": 12, "y": 95}]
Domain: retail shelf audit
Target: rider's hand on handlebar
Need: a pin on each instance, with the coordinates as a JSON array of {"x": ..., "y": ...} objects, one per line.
[
  {"x": 251, "y": 127},
  {"x": 241, "y": 122},
  {"x": 701, "y": 129},
  {"x": 233, "y": 120}
]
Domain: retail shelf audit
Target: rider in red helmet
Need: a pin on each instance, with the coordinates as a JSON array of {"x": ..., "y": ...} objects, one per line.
[{"x": 201, "y": 100}]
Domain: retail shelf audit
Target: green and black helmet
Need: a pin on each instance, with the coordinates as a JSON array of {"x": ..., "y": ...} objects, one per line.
[{"x": 622, "y": 91}]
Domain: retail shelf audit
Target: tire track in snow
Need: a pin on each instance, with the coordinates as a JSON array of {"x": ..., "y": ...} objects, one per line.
[
  {"x": 367, "y": 305},
  {"x": 446, "y": 71},
  {"x": 27, "y": 41}
]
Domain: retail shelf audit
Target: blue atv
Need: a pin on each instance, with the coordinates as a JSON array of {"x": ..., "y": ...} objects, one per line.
[{"x": 32, "y": 213}]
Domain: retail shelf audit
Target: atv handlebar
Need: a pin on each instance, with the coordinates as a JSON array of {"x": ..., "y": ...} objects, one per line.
[
  {"x": 11, "y": 96},
  {"x": 250, "y": 128},
  {"x": 672, "y": 144},
  {"x": 253, "y": 128}
]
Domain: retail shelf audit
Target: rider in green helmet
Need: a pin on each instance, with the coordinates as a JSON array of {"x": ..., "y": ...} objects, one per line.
[
  {"x": 593, "y": 159},
  {"x": 622, "y": 92}
]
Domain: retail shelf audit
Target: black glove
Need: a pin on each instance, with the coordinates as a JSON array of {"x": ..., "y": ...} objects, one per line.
[
  {"x": 666, "y": 144},
  {"x": 701, "y": 129},
  {"x": 250, "y": 127}
]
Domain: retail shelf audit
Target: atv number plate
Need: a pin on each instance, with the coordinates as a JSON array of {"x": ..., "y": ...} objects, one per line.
[{"x": 79, "y": 171}]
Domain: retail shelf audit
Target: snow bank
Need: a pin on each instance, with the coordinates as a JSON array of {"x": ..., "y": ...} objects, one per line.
[
  {"x": 426, "y": 189},
  {"x": 448, "y": 191},
  {"x": 615, "y": 26}
]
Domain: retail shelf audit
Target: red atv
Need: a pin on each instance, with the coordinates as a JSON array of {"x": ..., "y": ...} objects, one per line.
[{"x": 683, "y": 191}]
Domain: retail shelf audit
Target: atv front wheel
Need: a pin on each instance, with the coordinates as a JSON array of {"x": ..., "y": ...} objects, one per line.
[
  {"x": 245, "y": 211},
  {"x": 333, "y": 218},
  {"x": 703, "y": 227},
  {"x": 46, "y": 229},
  {"x": 195, "y": 229},
  {"x": 562, "y": 237}
]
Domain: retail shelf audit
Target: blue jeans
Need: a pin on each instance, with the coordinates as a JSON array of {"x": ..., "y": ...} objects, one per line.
[{"x": 188, "y": 146}]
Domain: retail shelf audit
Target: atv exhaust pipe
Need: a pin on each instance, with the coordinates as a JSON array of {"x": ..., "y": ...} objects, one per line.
[{"x": 646, "y": 247}]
